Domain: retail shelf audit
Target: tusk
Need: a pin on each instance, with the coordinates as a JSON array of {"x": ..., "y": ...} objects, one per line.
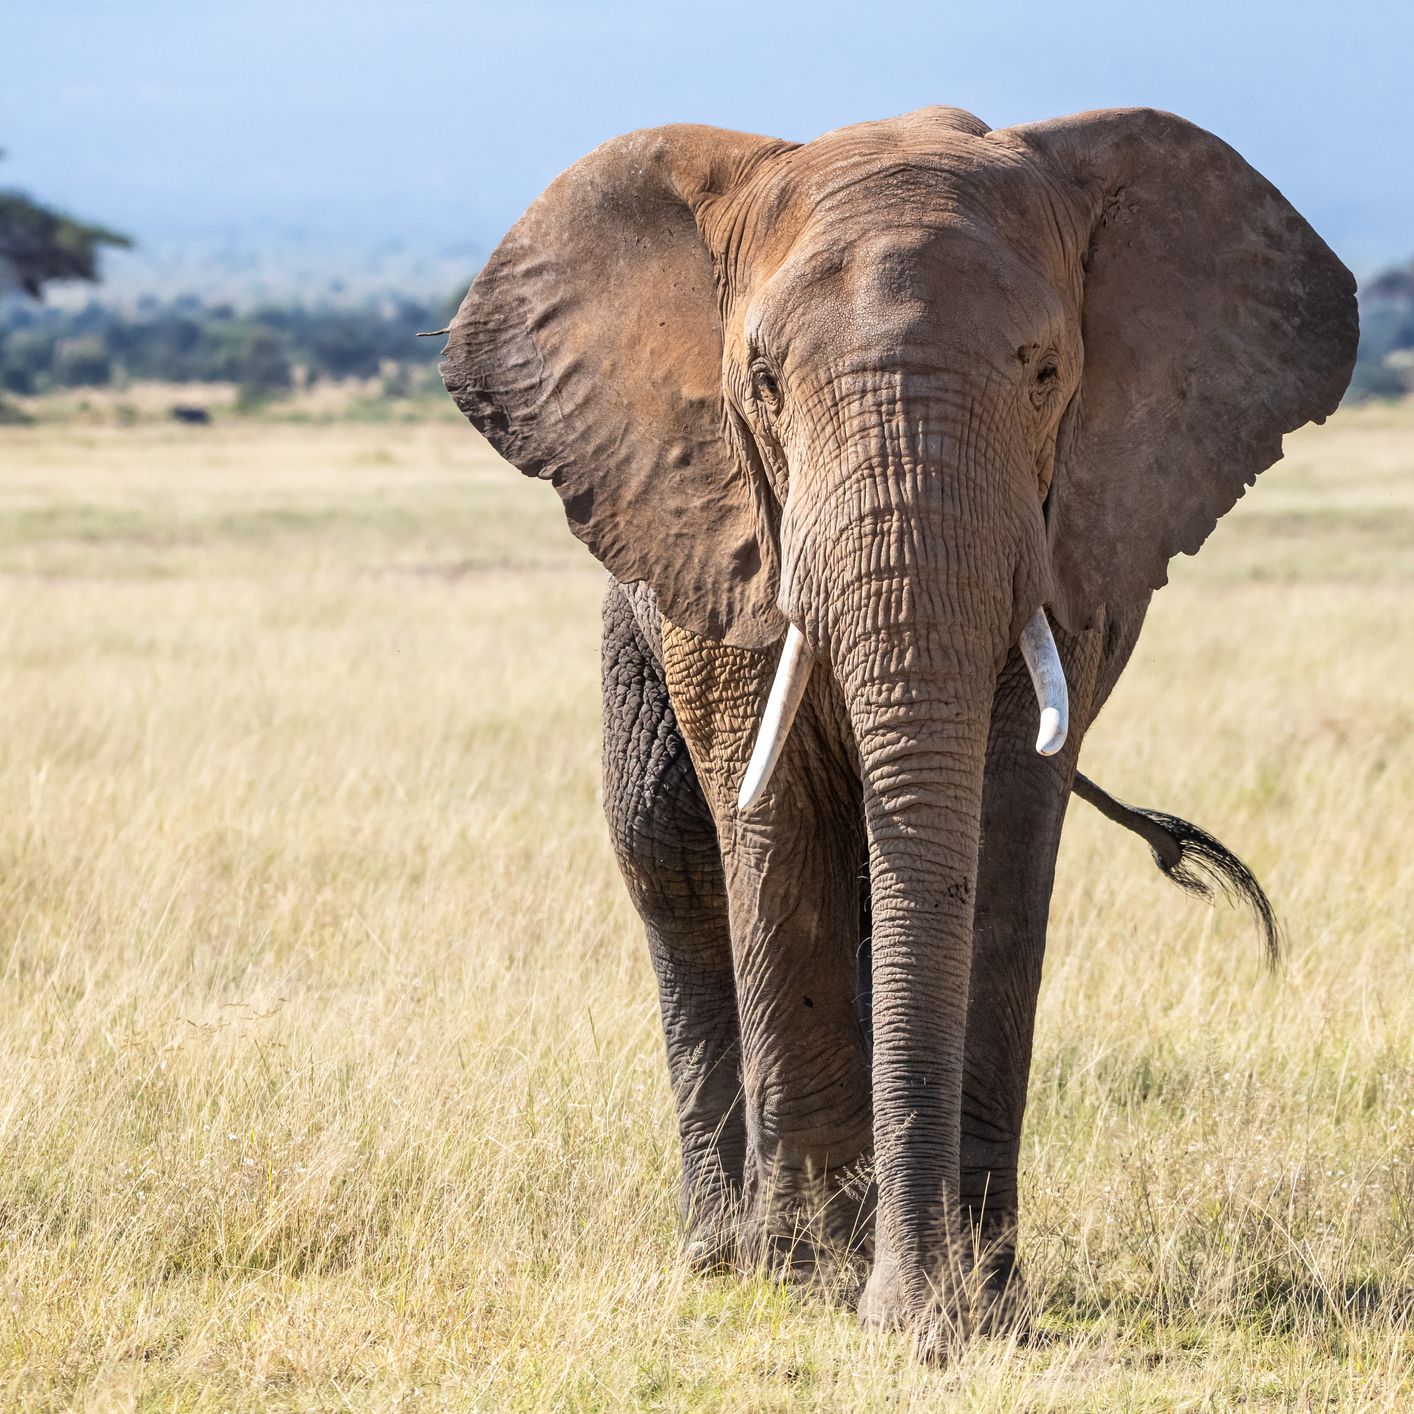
[
  {"x": 1038, "y": 647},
  {"x": 792, "y": 675}
]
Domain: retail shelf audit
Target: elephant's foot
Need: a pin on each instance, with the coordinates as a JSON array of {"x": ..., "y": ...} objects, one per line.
[
  {"x": 1000, "y": 1297},
  {"x": 938, "y": 1321},
  {"x": 1003, "y": 1300},
  {"x": 785, "y": 1249},
  {"x": 710, "y": 1253},
  {"x": 815, "y": 1234},
  {"x": 940, "y": 1310},
  {"x": 712, "y": 1229},
  {"x": 802, "y": 1257}
]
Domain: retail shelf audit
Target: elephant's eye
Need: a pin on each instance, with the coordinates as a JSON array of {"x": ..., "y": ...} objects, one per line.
[
  {"x": 1047, "y": 379},
  {"x": 765, "y": 386}
]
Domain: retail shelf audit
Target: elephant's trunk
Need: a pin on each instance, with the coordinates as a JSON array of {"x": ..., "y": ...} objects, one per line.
[
  {"x": 913, "y": 578},
  {"x": 919, "y": 705}
]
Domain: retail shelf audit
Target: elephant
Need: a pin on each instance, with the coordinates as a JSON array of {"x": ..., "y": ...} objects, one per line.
[{"x": 886, "y": 440}]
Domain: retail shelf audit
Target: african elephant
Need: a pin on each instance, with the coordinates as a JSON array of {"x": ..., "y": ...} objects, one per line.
[{"x": 935, "y": 405}]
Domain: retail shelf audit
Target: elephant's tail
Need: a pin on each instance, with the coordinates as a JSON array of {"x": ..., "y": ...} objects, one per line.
[{"x": 1191, "y": 857}]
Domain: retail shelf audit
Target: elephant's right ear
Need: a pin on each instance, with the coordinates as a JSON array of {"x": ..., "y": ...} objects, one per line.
[{"x": 589, "y": 352}]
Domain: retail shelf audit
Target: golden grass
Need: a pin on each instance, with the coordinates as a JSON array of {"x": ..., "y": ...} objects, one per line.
[{"x": 331, "y": 1073}]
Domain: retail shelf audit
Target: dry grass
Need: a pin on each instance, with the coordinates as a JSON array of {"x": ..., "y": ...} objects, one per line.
[{"x": 331, "y": 1073}]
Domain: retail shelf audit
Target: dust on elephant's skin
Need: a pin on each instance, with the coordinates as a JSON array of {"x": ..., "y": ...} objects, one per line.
[{"x": 901, "y": 387}]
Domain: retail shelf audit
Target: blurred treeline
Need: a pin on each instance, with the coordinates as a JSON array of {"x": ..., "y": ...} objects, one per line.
[
  {"x": 1386, "y": 365},
  {"x": 269, "y": 351},
  {"x": 265, "y": 352}
]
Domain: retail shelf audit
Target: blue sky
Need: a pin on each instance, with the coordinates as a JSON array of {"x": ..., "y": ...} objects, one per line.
[{"x": 433, "y": 124}]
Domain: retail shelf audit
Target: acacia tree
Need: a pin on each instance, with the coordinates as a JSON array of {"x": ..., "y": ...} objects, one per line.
[{"x": 38, "y": 245}]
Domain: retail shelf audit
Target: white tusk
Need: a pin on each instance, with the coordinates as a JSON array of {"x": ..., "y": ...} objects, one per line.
[
  {"x": 792, "y": 675},
  {"x": 1038, "y": 647}
]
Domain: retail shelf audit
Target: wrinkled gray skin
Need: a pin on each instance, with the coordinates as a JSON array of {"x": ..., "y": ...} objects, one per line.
[{"x": 900, "y": 386}]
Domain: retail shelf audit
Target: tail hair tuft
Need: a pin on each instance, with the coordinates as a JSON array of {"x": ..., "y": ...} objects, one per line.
[{"x": 1199, "y": 863}]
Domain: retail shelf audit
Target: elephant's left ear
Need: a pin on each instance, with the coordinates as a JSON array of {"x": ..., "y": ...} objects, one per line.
[{"x": 1214, "y": 321}]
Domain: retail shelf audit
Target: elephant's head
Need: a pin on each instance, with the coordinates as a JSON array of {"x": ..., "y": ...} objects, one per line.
[
  {"x": 911, "y": 380},
  {"x": 899, "y": 388}
]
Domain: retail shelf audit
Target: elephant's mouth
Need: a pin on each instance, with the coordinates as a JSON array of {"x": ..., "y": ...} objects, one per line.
[{"x": 1038, "y": 648}]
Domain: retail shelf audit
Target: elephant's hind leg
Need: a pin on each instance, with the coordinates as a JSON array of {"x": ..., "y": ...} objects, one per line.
[{"x": 667, "y": 851}]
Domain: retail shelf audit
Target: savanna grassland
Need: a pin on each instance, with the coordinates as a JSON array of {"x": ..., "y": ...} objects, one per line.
[{"x": 330, "y": 1071}]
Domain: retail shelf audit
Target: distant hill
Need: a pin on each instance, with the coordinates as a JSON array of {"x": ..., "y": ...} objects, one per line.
[
  {"x": 291, "y": 266},
  {"x": 1385, "y": 368}
]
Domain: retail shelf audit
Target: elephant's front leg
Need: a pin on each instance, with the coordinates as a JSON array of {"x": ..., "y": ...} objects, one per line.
[
  {"x": 792, "y": 878},
  {"x": 1023, "y": 808},
  {"x": 667, "y": 850},
  {"x": 792, "y": 869}
]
